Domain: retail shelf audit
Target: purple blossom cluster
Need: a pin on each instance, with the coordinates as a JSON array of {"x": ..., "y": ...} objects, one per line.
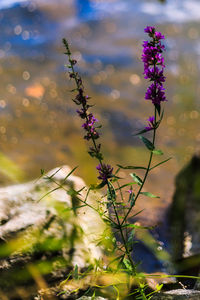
[
  {"x": 105, "y": 172},
  {"x": 90, "y": 128},
  {"x": 154, "y": 65}
]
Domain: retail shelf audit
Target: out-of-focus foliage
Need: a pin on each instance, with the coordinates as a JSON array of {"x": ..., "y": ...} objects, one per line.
[{"x": 10, "y": 169}]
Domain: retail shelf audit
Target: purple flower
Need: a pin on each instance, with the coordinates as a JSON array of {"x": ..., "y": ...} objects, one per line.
[
  {"x": 149, "y": 29},
  {"x": 130, "y": 191},
  {"x": 159, "y": 36},
  {"x": 152, "y": 31},
  {"x": 89, "y": 127},
  {"x": 155, "y": 93},
  {"x": 90, "y": 122},
  {"x": 151, "y": 123},
  {"x": 151, "y": 119},
  {"x": 154, "y": 74},
  {"x": 154, "y": 66},
  {"x": 105, "y": 172}
]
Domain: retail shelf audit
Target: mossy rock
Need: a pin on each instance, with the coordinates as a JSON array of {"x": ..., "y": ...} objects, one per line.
[{"x": 45, "y": 231}]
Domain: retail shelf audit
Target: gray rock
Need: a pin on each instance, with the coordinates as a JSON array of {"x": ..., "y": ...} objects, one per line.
[
  {"x": 178, "y": 295},
  {"x": 184, "y": 215},
  {"x": 184, "y": 220},
  {"x": 46, "y": 236}
]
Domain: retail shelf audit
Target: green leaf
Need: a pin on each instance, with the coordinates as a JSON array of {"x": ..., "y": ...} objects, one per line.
[
  {"x": 147, "y": 143},
  {"x": 138, "y": 226},
  {"x": 97, "y": 186},
  {"x": 72, "y": 171},
  {"x": 48, "y": 193},
  {"x": 162, "y": 162},
  {"x": 149, "y": 195},
  {"x": 136, "y": 178},
  {"x": 139, "y": 212},
  {"x": 157, "y": 106},
  {"x": 157, "y": 152},
  {"x": 124, "y": 185},
  {"x": 80, "y": 206},
  {"x": 162, "y": 115},
  {"x": 72, "y": 192},
  {"x": 127, "y": 264},
  {"x": 117, "y": 171},
  {"x": 141, "y": 132},
  {"x": 50, "y": 177},
  {"x": 131, "y": 167},
  {"x": 115, "y": 178},
  {"x": 132, "y": 199},
  {"x": 76, "y": 272}
]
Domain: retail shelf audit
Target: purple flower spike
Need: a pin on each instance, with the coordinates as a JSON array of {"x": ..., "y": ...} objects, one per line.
[
  {"x": 154, "y": 66},
  {"x": 105, "y": 172}
]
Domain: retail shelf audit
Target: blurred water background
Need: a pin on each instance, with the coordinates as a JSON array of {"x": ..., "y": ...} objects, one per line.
[{"x": 39, "y": 128}]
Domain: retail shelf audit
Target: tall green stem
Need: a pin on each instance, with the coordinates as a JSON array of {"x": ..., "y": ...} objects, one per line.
[{"x": 146, "y": 173}]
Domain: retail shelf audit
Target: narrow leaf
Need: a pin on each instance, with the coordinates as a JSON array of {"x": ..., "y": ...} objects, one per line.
[
  {"x": 48, "y": 193},
  {"x": 49, "y": 177},
  {"x": 69, "y": 174},
  {"x": 136, "y": 178},
  {"x": 162, "y": 162},
  {"x": 162, "y": 115},
  {"x": 124, "y": 185},
  {"x": 131, "y": 167},
  {"x": 157, "y": 106},
  {"x": 97, "y": 186},
  {"x": 149, "y": 195},
  {"x": 139, "y": 212},
  {"x": 117, "y": 171},
  {"x": 132, "y": 199},
  {"x": 147, "y": 143},
  {"x": 138, "y": 226},
  {"x": 141, "y": 132}
]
